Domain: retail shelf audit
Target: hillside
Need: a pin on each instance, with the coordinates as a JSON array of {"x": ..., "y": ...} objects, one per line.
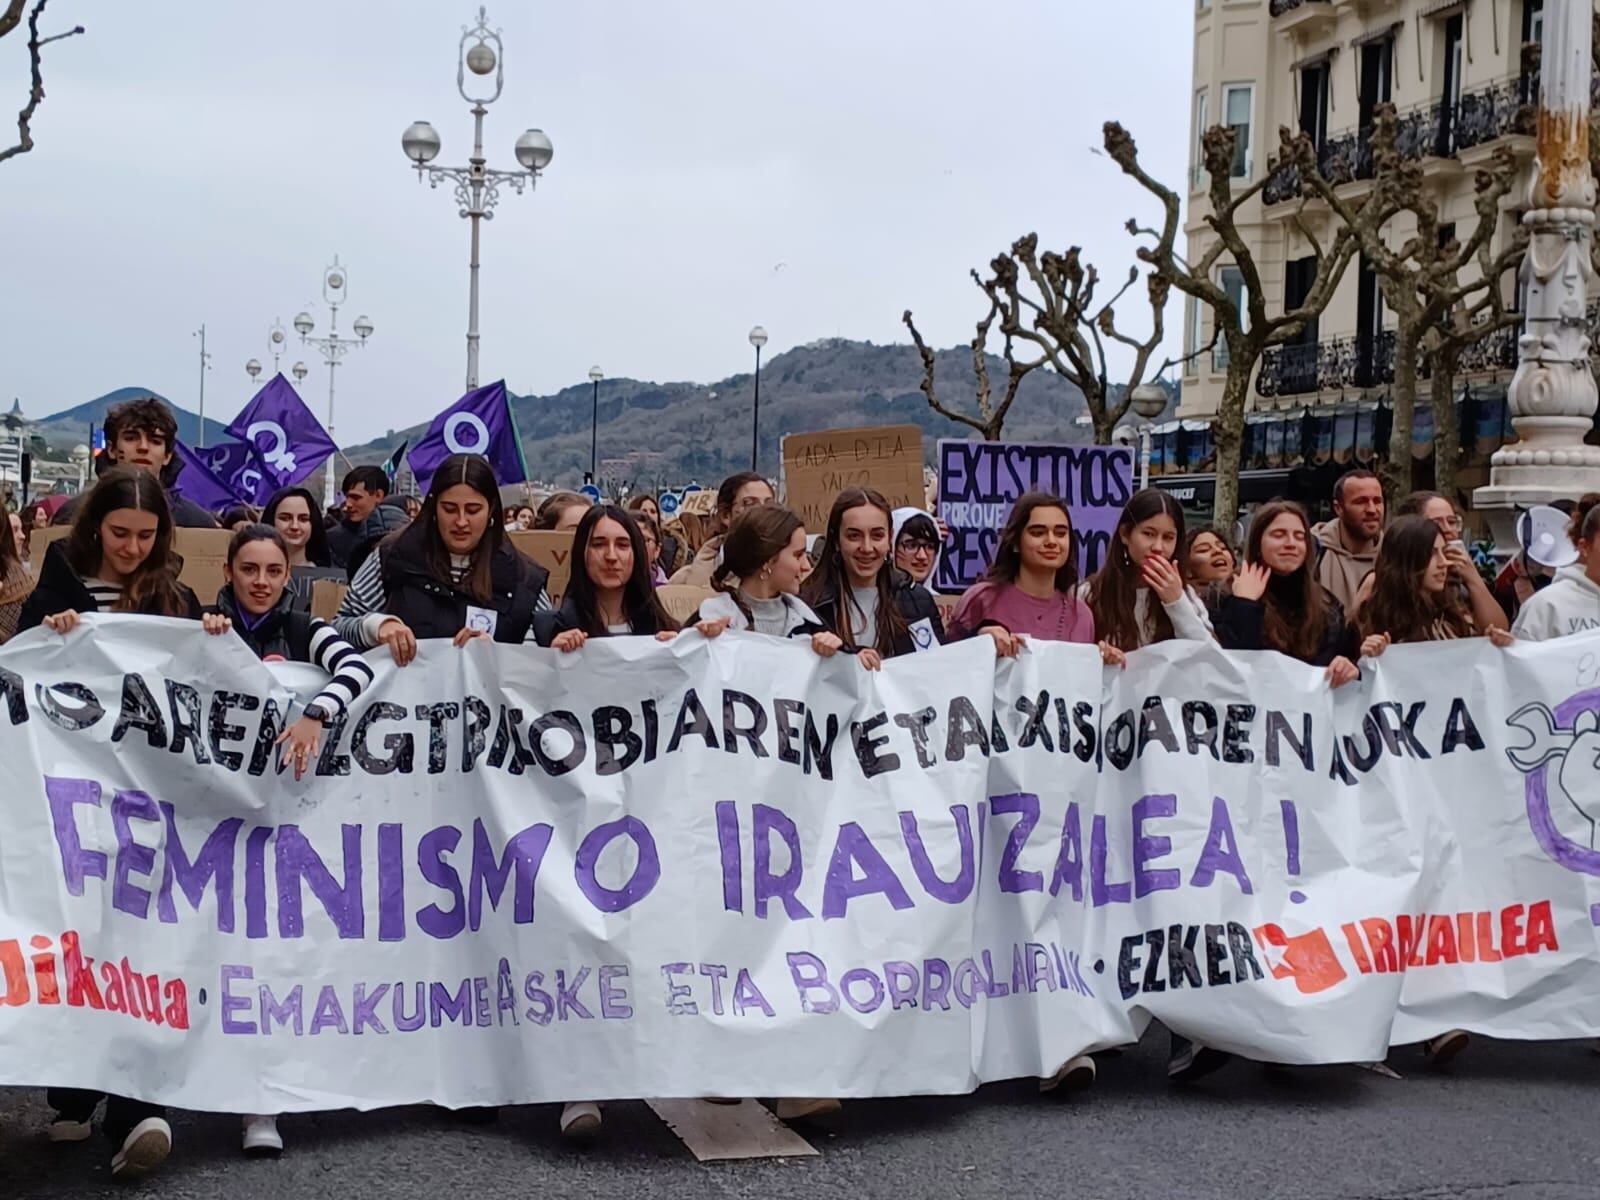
[
  {"x": 687, "y": 431},
  {"x": 69, "y": 428}
]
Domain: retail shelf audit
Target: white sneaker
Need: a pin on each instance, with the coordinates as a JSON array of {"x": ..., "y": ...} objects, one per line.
[
  {"x": 64, "y": 1130},
  {"x": 144, "y": 1149},
  {"x": 261, "y": 1136},
  {"x": 798, "y": 1110},
  {"x": 580, "y": 1120},
  {"x": 1074, "y": 1075}
]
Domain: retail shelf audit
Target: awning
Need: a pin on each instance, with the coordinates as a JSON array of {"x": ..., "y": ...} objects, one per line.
[
  {"x": 1386, "y": 31},
  {"x": 1436, "y": 7},
  {"x": 1314, "y": 60}
]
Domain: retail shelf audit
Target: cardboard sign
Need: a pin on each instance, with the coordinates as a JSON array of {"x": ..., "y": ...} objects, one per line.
[
  {"x": 682, "y": 600},
  {"x": 204, "y": 552},
  {"x": 553, "y": 552},
  {"x": 326, "y": 596},
  {"x": 980, "y": 481},
  {"x": 818, "y": 466},
  {"x": 699, "y": 504}
]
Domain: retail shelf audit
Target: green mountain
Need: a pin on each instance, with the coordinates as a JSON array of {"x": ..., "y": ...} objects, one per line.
[
  {"x": 670, "y": 433},
  {"x": 69, "y": 428}
]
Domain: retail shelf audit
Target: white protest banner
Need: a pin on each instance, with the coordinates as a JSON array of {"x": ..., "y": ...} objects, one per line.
[
  {"x": 735, "y": 868},
  {"x": 980, "y": 481}
]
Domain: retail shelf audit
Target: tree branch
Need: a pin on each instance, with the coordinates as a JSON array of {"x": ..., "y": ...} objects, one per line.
[{"x": 8, "y": 21}]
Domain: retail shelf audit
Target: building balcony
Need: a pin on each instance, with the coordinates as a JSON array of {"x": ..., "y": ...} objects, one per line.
[
  {"x": 1302, "y": 16},
  {"x": 1360, "y": 363},
  {"x": 1466, "y": 130}
]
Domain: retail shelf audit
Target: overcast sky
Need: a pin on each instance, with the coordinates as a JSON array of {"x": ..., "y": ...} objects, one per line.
[{"x": 816, "y": 166}]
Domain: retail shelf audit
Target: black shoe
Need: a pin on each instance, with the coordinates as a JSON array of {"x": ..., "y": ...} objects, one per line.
[{"x": 1191, "y": 1060}]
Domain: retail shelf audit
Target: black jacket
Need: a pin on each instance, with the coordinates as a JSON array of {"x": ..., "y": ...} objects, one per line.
[
  {"x": 547, "y": 625},
  {"x": 1240, "y": 625},
  {"x": 284, "y": 633},
  {"x": 59, "y": 589},
  {"x": 436, "y": 610},
  {"x": 186, "y": 514},
  {"x": 349, "y": 545},
  {"x": 913, "y": 601}
]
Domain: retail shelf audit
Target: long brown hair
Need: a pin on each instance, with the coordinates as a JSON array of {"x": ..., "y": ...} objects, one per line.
[
  {"x": 422, "y": 536},
  {"x": 1007, "y": 562},
  {"x": 153, "y": 586},
  {"x": 1399, "y": 605},
  {"x": 640, "y": 604},
  {"x": 756, "y": 538},
  {"x": 1297, "y": 607},
  {"x": 832, "y": 576},
  {"x": 1114, "y": 589}
]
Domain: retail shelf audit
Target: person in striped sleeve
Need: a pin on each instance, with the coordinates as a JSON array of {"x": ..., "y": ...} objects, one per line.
[{"x": 255, "y": 604}]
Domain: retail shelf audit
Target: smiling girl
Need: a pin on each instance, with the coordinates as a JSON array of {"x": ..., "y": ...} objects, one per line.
[
  {"x": 612, "y": 594},
  {"x": 858, "y": 592}
]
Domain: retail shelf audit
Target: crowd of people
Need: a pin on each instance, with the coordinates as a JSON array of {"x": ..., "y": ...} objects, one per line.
[{"x": 1329, "y": 595}]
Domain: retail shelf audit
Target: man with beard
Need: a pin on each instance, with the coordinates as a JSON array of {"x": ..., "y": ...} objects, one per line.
[{"x": 1348, "y": 544}]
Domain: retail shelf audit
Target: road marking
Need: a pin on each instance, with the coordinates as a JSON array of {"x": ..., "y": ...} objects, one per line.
[{"x": 720, "y": 1132}]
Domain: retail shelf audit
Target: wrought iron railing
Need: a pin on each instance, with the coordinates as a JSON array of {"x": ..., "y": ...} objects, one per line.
[
  {"x": 1439, "y": 130},
  {"x": 1337, "y": 364},
  {"x": 1278, "y": 7}
]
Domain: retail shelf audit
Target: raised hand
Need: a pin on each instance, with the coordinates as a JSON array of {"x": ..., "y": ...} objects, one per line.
[
  {"x": 1374, "y": 644},
  {"x": 1251, "y": 581},
  {"x": 1162, "y": 578},
  {"x": 1342, "y": 671}
]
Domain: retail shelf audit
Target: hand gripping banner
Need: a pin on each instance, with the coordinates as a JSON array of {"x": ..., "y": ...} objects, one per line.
[{"x": 734, "y": 868}]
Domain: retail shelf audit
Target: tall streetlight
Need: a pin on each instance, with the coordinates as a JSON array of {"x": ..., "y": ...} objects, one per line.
[
  {"x": 477, "y": 187},
  {"x": 595, "y": 376},
  {"x": 335, "y": 283},
  {"x": 758, "y": 339},
  {"x": 1148, "y": 401},
  {"x": 205, "y": 365}
]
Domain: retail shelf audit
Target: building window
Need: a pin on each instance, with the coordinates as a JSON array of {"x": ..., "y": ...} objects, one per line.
[
  {"x": 1450, "y": 94},
  {"x": 1377, "y": 78},
  {"x": 1202, "y": 115},
  {"x": 1532, "y": 34},
  {"x": 1231, "y": 280},
  {"x": 1314, "y": 103},
  {"x": 1238, "y": 99},
  {"x": 1195, "y": 339}
]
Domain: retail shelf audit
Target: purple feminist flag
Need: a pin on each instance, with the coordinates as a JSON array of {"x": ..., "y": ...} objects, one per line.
[
  {"x": 208, "y": 476},
  {"x": 478, "y": 423},
  {"x": 289, "y": 442}
]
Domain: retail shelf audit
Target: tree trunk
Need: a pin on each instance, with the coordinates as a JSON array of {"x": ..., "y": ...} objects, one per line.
[
  {"x": 1227, "y": 428},
  {"x": 1396, "y": 471},
  {"x": 1446, "y": 430}
]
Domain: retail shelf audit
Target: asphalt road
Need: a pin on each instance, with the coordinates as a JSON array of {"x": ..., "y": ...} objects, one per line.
[{"x": 1509, "y": 1119}]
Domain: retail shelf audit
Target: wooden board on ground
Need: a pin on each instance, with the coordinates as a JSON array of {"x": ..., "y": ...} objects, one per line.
[
  {"x": 553, "y": 552},
  {"x": 720, "y": 1132},
  {"x": 818, "y": 466},
  {"x": 682, "y": 600},
  {"x": 204, "y": 551}
]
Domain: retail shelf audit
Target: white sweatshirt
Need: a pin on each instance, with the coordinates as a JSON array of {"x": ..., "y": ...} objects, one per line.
[
  {"x": 1190, "y": 620},
  {"x": 1571, "y": 604}
]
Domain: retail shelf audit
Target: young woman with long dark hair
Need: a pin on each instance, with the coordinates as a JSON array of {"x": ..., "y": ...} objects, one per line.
[
  {"x": 255, "y": 603},
  {"x": 118, "y": 558},
  {"x": 736, "y": 496},
  {"x": 292, "y": 511},
  {"x": 1276, "y": 603},
  {"x": 1207, "y": 558},
  {"x": 1412, "y": 599},
  {"x": 858, "y": 592},
  {"x": 611, "y": 593},
  {"x": 16, "y": 580},
  {"x": 1031, "y": 586},
  {"x": 451, "y": 573},
  {"x": 1138, "y": 595}
]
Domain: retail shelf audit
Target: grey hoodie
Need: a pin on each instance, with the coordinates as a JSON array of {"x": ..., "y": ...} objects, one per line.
[{"x": 1571, "y": 604}]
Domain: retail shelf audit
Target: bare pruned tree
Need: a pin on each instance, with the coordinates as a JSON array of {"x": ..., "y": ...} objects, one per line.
[
  {"x": 1438, "y": 313},
  {"x": 1245, "y": 330},
  {"x": 1049, "y": 306},
  {"x": 10, "y": 18}
]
